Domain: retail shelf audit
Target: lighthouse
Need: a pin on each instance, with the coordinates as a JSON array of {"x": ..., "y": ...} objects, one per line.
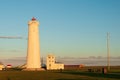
[{"x": 33, "y": 50}]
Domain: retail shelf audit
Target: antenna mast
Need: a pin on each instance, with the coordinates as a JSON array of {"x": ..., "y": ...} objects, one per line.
[{"x": 108, "y": 51}]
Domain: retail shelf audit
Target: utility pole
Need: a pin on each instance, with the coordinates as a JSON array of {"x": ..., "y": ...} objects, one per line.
[{"x": 108, "y": 51}]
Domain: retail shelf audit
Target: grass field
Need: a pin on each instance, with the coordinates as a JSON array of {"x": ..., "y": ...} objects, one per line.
[{"x": 59, "y": 75}]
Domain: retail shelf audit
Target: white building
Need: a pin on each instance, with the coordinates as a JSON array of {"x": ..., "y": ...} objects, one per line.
[
  {"x": 52, "y": 65},
  {"x": 9, "y": 66},
  {"x": 1, "y": 66}
]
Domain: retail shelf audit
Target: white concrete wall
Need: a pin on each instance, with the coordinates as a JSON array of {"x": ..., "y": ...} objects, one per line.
[
  {"x": 51, "y": 65},
  {"x": 1, "y": 67}
]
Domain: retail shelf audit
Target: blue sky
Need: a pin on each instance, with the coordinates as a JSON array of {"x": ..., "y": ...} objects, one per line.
[{"x": 72, "y": 28}]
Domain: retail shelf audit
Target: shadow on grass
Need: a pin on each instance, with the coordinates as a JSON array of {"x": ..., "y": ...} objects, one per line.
[
  {"x": 8, "y": 78},
  {"x": 99, "y": 75}
]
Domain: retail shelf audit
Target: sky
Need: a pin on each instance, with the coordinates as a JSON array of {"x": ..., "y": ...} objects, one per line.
[{"x": 68, "y": 28}]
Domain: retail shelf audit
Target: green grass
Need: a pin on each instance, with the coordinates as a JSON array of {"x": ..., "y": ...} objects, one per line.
[{"x": 57, "y": 75}]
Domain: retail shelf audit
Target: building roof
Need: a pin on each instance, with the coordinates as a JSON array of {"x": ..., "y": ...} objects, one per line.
[
  {"x": 9, "y": 65},
  {"x": 58, "y": 62}
]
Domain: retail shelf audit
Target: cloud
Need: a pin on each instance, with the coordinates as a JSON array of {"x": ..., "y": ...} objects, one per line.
[
  {"x": 11, "y": 37},
  {"x": 13, "y": 51},
  {"x": 15, "y": 61}
]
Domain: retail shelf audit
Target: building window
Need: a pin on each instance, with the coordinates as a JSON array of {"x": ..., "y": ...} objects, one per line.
[
  {"x": 50, "y": 65},
  {"x": 49, "y": 57}
]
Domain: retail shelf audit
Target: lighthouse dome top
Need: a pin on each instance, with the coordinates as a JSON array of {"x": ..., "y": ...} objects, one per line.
[
  {"x": 33, "y": 19},
  {"x": 34, "y": 22}
]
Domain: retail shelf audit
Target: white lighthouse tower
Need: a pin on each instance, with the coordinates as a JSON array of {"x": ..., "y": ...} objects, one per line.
[{"x": 33, "y": 52}]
